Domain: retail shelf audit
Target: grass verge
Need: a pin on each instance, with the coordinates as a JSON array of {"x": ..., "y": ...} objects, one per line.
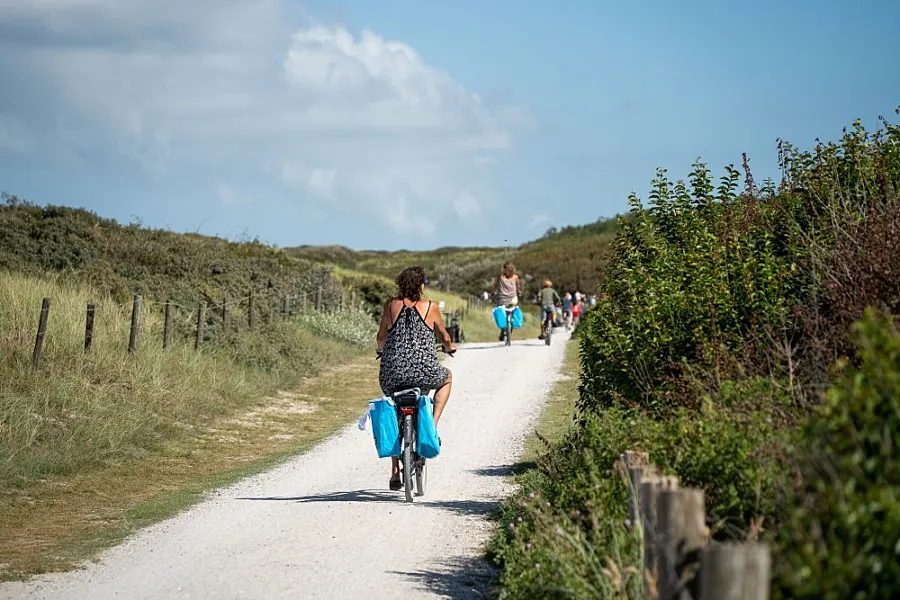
[{"x": 65, "y": 519}]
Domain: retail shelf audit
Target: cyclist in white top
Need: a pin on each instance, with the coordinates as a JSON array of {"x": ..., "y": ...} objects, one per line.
[{"x": 507, "y": 289}]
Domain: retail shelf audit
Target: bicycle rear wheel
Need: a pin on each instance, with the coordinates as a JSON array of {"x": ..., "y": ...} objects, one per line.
[
  {"x": 508, "y": 329},
  {"x": 548, "y": 332},
  {"x": 408, "y": 445},
  {"x": 421, "y": 476}
]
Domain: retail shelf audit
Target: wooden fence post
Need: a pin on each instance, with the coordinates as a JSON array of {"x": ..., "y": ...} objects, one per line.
[
  {"x": 635, "y": 464},
  {"x": 735, "y": 571},
  {"x": 681, "y": 518},
  {"x": 135, "y": 324},
  {"x": 224, "y": 313},
  {"x": 285, "y": 307},
  {"x": 305, "y": 306},
  {"x": 167, "y": 326},
  {"x": 319, "y": 298},
  {"x": 649, "y": 497},
  {"x": 89, "y": 328},
  {"x": 41, "y": 333},
  {"x": 250, "y": 311},
  {"x": 201, "y": 319}
]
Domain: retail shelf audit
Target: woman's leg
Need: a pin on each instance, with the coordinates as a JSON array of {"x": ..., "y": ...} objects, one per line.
[
  {"x": 395, "y": 468},
  {"x": 441, "y": 396}
]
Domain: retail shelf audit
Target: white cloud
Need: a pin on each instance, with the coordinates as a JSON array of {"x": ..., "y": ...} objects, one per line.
[
  {"x": 538, "y": 220},
  {"x": 252, "y": 87}
]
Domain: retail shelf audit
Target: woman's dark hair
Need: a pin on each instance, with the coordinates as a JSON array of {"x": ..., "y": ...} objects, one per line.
[{"x": 409, "y": 283}]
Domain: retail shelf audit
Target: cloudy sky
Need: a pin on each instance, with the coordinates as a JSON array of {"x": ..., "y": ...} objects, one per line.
[{"x": 403, "y": 123}]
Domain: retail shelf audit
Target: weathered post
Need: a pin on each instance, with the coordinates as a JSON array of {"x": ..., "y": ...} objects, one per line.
[
  {"x": 167, "y": 326},
  {"x": 285, "y": 307},
  {"x": 89, "y": 328},
  {"x": 635, "y": 464},
  {"x": 681, "y": 518},
  {"x": 735, "y": 571},
  {"x": 250, "y": 311},
  {"x": 201, "y": 320},
  {"x": 135, "y": 324},
  {"x": 41, "y": 333},
  {"x": 319, "y": 298},
  {"x": 649, "y": 494}
]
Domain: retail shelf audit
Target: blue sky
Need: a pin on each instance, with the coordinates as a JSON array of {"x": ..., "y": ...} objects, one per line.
[{"x": 415, "y": 124}]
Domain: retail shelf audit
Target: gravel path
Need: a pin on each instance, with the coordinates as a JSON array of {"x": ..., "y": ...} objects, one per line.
[{"x": 324, "y": 525}]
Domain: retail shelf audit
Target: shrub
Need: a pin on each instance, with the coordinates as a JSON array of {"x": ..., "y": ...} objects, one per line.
[{"x": 843, "y": 537}]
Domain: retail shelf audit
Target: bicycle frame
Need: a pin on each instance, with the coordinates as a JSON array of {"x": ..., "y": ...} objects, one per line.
[{"x": 509, "y": 311}]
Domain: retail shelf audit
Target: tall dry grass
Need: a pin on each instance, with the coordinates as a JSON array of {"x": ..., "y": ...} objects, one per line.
[{"x": 80, "y": 409}]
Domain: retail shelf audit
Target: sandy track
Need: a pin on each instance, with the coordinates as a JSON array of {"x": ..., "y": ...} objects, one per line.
[{"x": 324, "y": 525}]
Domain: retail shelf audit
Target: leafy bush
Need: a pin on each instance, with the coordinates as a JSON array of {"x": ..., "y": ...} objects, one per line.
[
  {"x": 843, "y": 537},
  {"x": 719, "y": 319},
  {"x": 569, "y": 516}
]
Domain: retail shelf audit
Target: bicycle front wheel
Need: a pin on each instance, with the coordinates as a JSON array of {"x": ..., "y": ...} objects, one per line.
[{"x": 408, "y": 444}]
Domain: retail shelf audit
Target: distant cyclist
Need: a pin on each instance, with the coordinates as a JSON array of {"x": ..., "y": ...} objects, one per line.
[
  {"x": 567, "y": 308},
  {"x": 548, "y": 300},
  {"x": 406, "y": 345},
  {"x": 507, "y": 289}
]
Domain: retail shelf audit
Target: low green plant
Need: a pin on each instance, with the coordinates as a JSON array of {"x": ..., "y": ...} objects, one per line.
[
  {"x": 842, "y": 539},
  {"x": 350, "y": 326}
]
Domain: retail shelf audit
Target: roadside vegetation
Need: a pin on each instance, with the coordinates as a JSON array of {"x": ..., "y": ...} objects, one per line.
[{"x": 746, "y": 336}]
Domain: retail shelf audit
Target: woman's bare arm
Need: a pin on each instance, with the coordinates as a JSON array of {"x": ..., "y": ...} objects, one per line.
[
  {"x": 384, "y": 325},
  {"x": 446, "y": 340}
]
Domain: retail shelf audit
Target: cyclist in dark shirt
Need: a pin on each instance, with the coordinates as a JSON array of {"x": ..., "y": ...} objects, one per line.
[{"x": 548, "y": 299}]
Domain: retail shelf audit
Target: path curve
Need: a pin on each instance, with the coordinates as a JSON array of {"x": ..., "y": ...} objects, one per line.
[{"x": 324, "y": 524}]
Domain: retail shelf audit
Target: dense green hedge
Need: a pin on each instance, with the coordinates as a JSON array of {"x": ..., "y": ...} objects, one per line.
[{"x": 722, "y": 314}]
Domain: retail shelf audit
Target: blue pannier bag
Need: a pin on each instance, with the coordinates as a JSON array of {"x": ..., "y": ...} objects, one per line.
[
  {"x": 499, "y": 314},
  {"x": 426, "y": 434},
  {"x": 500, "y": 317},
  {"x": 385, "y": 428}
]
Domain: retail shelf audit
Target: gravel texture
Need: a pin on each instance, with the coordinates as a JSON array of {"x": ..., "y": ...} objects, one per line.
[{"x": 324, "y": 524}]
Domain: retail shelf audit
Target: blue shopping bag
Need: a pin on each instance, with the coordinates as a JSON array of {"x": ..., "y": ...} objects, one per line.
[
  {"x": 499, "y": 314},
  {"x": 385, "y": 427},
  {"x": 429, "y": 444},
  {"x": 499, "y": 317}
]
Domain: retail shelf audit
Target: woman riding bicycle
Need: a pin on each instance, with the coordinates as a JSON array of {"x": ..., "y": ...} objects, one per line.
[
  {"x": 507, "y": 289},
  {"x": 406, "y": 345}
]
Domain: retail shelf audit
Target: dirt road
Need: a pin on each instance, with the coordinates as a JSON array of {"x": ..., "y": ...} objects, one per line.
[{"x": 324, "y": 524}]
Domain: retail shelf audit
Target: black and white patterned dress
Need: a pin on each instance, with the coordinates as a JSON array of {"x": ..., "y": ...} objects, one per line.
[{"x": 409, "y": 358}]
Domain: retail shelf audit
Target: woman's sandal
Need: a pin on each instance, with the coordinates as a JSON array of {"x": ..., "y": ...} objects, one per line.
[{"x": 395, "y": 484}]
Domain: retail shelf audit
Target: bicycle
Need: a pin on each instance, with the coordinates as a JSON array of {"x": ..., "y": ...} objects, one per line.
[
  {"x": 411, "y": 464},
  {"x": 548, "y": 325},
  {"x": 413, "y": 468}
]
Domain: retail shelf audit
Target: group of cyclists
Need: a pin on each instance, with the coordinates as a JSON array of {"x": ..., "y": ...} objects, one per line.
[
  {"x": 508, "y": 288},
  {"x": 410, "y": 322}
]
